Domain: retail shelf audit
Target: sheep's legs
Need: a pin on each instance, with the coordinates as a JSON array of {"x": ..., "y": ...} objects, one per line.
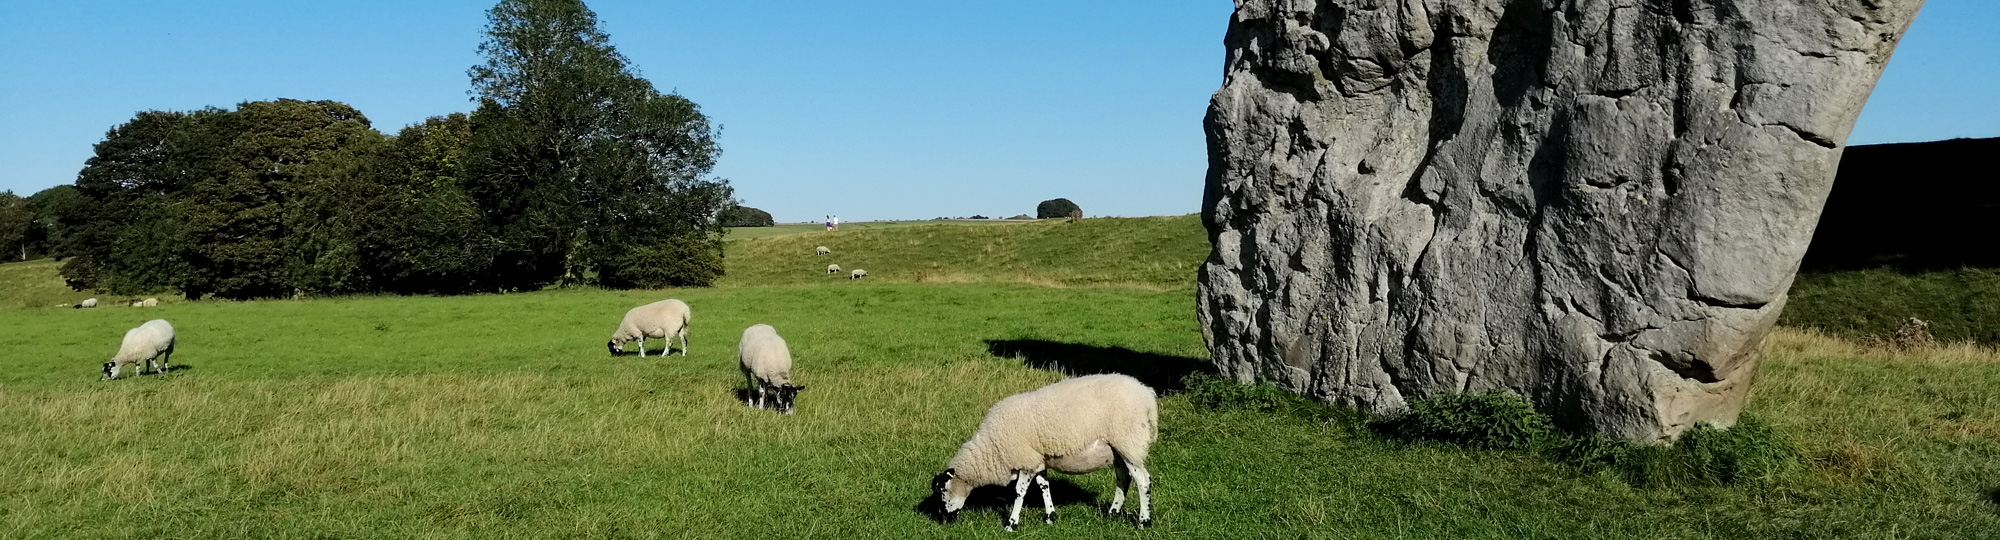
[
  {"x": 642, "y": 347},
  {"x": 1048, "y": 501},
  {"x": 1118, "y": 491},
  {"x": 1144, "y": 483},
  {"x": 1022, "y": 479},
  {"x": 684, "y": 342}
]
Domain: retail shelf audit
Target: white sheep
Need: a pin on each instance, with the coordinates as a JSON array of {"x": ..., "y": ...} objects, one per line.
[
  {"x": 149, "y": 302},
  {"x": 155, "y": 339},
  {"x": 832, "y": 269},
  {"x": 857, "y": 274},
  {"x": 86, "y": 303},
  {"x": 1074, "y": 426},
  {"x": 767, "y": 365},
  {"x": 822, "y": 250},
  {"x": 663, "y": 319}
]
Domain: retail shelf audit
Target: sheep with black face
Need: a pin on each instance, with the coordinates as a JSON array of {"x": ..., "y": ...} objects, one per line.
[
  {"x": 149, "y": 341},
  {"x": 767, "y": 364},
  {"x": 1074, "y": 426}
]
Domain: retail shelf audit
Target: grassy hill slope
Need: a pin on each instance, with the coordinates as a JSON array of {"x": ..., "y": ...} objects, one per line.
[
  {"x": 502, "y": 415},
  {"x": 37, "y": 284},
  {"x": 1158, "y": 253},
  {"x": 782, "y": 229}
]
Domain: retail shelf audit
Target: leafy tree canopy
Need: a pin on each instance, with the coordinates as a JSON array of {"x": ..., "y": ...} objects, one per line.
[
  {"x": 1055, "y": 208},
  {"x": 744, "y": 216},
  {"x": 574, "y": 158}
]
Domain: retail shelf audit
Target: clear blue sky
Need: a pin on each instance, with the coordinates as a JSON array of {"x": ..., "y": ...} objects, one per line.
[{"x": 871, "y": 110}]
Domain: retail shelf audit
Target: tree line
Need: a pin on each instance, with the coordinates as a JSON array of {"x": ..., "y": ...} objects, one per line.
[{"x": 572, "y": 169}]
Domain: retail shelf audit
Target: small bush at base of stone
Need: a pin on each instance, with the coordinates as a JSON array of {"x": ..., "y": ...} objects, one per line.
[{"x": 1494, "y": 420}]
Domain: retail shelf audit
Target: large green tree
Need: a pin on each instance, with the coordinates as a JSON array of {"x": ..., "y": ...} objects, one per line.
[
  {"x": 17, "y": 220},
  {"x": 48, "y": 235},
  {"x": 416, "y": 228},
  {"x": 124, "y": 228},
  {"x": 262, "y": 226},
  {"x": 580, "y": 166}
]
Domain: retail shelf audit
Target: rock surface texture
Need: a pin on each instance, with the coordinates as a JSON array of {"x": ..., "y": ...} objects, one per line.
[{"x": 1598, "y": 204}]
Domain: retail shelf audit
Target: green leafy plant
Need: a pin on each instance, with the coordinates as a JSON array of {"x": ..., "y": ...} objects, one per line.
[{"x": 1492, "y": 420}]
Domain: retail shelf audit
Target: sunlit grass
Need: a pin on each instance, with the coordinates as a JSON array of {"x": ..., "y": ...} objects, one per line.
[
  {"x": 1158, "y": 253},
  {"x": 783, "y": 229},
  {"x": 503, "y": 416}
]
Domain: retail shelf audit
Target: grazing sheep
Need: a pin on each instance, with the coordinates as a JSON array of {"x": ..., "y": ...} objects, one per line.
[
  {"x": 86, "y": 303},
  {"x": 1074, "y": 426},
  {"x": 149, "y": 302},
  {"x": 822, "y": 250},
  {"x": 857, "y": 274},
  {"x": 767, "y": 364},
  {"x": 663, "y": 319},
  {"x": 155, "y": 339},
  {"x": 832, "y": 269}
]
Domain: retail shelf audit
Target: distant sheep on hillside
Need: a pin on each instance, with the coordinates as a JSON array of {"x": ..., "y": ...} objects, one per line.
[
  {"x": 832, "y": 269},
  {"x": 857, "y": 274},
  {"x": 822, "y": 250}
]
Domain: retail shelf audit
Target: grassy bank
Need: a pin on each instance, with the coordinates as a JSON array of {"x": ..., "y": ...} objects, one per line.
[
  {"x": 783, "y": 229},
  {"x": 1158, "y": 253},
  {"x": 36, "y": 284},
  {"x": 1960, "y": 305}
]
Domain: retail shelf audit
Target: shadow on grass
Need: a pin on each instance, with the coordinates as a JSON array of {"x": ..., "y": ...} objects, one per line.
[
  {"x": 996, "y": 501},
  {"x": 1160, "y": 371},
  {"x": 1993, "y": 497},
  {"x": 136, "y": 374},
  {"x": 634, "y": 351}
]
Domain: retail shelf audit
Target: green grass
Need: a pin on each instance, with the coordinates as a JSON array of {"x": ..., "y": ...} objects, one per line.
[
  {"x": 502, "y": 416},
  {"x": 1961, "y": 305},
  {"x": 33, "y": 284},
  {"x": 1157, "y": 253},
  {"x": 783, "y": 229}
]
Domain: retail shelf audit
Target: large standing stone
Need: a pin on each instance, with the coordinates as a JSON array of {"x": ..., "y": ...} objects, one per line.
[{"x": 1598, "y": 204}]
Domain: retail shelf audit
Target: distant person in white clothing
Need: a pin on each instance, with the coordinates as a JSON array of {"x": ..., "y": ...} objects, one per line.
[{"x": 834, "y": 223}]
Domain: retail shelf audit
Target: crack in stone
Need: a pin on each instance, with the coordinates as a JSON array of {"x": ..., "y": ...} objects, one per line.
[{"x": 1807, "y": 136}]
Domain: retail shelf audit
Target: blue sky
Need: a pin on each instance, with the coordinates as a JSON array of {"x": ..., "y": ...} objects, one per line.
[{"x": 869, "y": 110}]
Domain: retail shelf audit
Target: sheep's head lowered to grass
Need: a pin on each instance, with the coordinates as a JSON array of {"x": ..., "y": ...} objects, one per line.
[
  {"x": 787, "y": 395},
  {"x": 951, "y": 494}
]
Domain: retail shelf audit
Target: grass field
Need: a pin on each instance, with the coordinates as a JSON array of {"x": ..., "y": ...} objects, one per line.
[
  {"x": 35, "y": 284},
  {"x": 1960, "y": 305},
  {"x": 782, "y": 229},
  {"x": 1158, "y": 253},
  {"x": 502, "y": 416}
]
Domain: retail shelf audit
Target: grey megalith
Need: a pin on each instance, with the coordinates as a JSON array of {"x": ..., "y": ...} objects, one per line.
[{"x": 1597, "y": 204}]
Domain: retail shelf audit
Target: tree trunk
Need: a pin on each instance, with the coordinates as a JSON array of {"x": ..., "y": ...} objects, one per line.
[{"x": 1597, "y": 204}]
